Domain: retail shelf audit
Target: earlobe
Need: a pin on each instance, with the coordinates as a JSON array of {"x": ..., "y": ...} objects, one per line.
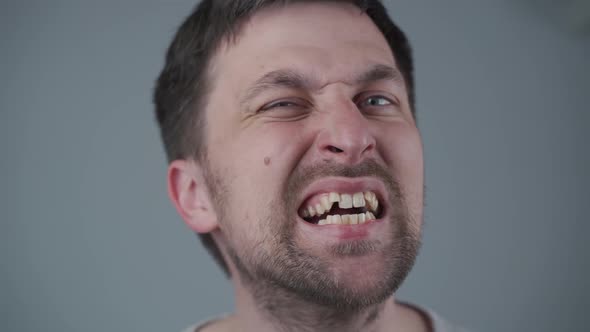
[{"x": 190, "y": 195}]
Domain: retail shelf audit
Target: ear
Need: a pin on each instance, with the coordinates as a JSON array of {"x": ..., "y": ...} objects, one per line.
[{"x": 190, "y": 195}]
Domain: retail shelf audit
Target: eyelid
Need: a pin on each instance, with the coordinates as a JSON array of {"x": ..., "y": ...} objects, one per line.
[{"x": 293, "y": 102}]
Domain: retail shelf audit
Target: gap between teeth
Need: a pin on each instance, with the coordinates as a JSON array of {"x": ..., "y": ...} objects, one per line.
[
  {"x": 366, "y": 199},
  {"x": 347, "y": 219}
]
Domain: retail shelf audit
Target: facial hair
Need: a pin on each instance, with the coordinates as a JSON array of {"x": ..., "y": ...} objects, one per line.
[{"x": 288, "y": 272}]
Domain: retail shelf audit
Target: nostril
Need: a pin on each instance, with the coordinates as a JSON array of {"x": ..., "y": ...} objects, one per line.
[{"x": 335, "y": 149}]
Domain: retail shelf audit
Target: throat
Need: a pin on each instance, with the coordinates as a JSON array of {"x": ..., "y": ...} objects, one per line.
[{"x": 292, "y": 314}]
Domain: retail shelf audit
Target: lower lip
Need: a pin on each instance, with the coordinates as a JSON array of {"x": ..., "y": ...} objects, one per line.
[{"x": 346, "y": 232}]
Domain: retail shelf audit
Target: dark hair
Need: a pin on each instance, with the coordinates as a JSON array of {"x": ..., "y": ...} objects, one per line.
[{"x": 182, "y": 88}]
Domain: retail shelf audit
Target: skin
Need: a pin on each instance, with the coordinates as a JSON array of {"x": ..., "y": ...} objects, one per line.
[{"x": 256, "y": 145}]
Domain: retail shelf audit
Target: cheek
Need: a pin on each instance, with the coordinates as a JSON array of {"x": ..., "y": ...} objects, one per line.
[
  {"x": 405, "y": 155},
  {"x": 256, "y": 164},
  {"x": 269, "y": 153}
]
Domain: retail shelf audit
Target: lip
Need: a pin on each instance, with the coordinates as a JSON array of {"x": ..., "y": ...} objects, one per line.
[
  {"x": 348, "y": 186},
  {"x": 343, "y": 232}
]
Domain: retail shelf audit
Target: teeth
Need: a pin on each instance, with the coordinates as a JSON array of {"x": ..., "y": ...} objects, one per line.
[
  {"x": 325, "y": 201},
  {"x": 345, "y": 201},
  {"x": 305, "y": 213},
  {"x": 319, "y": 209},
  {"x": 337, "y": 219},
  {"x": 371, "y": 198},
  {"x": 358, "y": 200},
  {"x": 374, "y": 204},
  {"x": 310, "y": 211},
  {"x": 346, "y": 219},
  {"x": 333, "y": 197},
  {"x": 361, "y": 218}
]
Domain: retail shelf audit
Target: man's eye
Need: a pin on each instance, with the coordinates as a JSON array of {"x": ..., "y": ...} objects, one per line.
[
  {"x": 375, "y": 101},
  {"x": 289, "y": 104},
  {"x": 282, "y": 104}
]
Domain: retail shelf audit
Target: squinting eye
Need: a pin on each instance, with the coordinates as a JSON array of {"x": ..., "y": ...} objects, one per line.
[
  {"x": 376, "y": 101},
  {"x": 279, "y": 104},
  {"x": 282, "y": 104}
]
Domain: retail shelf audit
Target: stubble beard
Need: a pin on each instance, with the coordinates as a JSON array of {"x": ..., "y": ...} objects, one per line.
[{"x": 280, "y": 274}]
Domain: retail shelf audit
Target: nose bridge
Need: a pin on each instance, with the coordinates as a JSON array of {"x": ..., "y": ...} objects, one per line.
[{"x": 345, "y": 134}]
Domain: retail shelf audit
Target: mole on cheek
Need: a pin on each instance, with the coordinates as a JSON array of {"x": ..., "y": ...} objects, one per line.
[{"x": 266, "y": 161}]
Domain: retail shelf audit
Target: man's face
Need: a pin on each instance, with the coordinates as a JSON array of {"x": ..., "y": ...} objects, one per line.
[{"x": 307, "y": 105}]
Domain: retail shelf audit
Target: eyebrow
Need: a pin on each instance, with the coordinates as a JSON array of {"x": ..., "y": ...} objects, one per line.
[
  {"x": 289, "y": 78},
  {"x": 380, "y": 73},
  {"x": 281, "y": 78}
]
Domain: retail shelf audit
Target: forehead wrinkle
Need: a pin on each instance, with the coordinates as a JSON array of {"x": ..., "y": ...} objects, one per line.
[
  {"x": 281, "y": 78},
  {"x": 293, "y": 79},
  {"x": 375, "y": 73}
]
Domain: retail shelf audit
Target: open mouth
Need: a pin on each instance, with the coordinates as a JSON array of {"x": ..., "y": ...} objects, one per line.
[{"x": 341, "y": 208}]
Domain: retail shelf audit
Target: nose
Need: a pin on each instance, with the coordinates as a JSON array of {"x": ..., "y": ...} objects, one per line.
[{"x": 345, "y": 136}]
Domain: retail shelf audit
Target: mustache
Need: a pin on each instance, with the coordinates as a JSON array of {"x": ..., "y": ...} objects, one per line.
[{"x": 304, "y": 176}]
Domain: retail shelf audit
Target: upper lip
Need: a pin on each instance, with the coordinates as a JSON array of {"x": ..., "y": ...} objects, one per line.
[{"x": 344, "y": 185}]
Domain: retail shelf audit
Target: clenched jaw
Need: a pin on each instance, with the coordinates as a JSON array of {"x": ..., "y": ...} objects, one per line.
[{"x": 341, "y": 208}]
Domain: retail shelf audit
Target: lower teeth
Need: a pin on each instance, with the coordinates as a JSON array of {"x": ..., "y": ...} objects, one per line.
[{"x": 347, "y": 219}]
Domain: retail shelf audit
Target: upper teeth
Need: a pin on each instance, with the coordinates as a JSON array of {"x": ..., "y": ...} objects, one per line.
[{"x": 367, "y": 200}]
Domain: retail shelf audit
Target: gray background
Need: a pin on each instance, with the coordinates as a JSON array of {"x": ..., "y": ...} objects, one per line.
[{"x": 90, "y": 242}]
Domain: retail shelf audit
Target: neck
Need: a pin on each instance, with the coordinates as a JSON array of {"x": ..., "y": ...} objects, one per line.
[{"x": 282, "y": 311}]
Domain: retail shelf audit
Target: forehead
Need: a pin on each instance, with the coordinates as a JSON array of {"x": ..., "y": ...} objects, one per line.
[{"x": 332, "y": 41}]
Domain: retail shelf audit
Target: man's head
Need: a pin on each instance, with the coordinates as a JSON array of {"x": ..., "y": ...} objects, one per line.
[{"x": 283, "y": 109}]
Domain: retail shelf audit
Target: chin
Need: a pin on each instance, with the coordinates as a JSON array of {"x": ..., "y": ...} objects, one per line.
[
  {"x": 362, "y": 272},
  {"x": 358, "y": 294}
]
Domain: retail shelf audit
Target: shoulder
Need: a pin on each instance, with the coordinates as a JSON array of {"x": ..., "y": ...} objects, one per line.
[
  {"x": 219, "y": 324},
  {"x": 439, "y": 324},
  {"x": 436, "y": 322}
]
